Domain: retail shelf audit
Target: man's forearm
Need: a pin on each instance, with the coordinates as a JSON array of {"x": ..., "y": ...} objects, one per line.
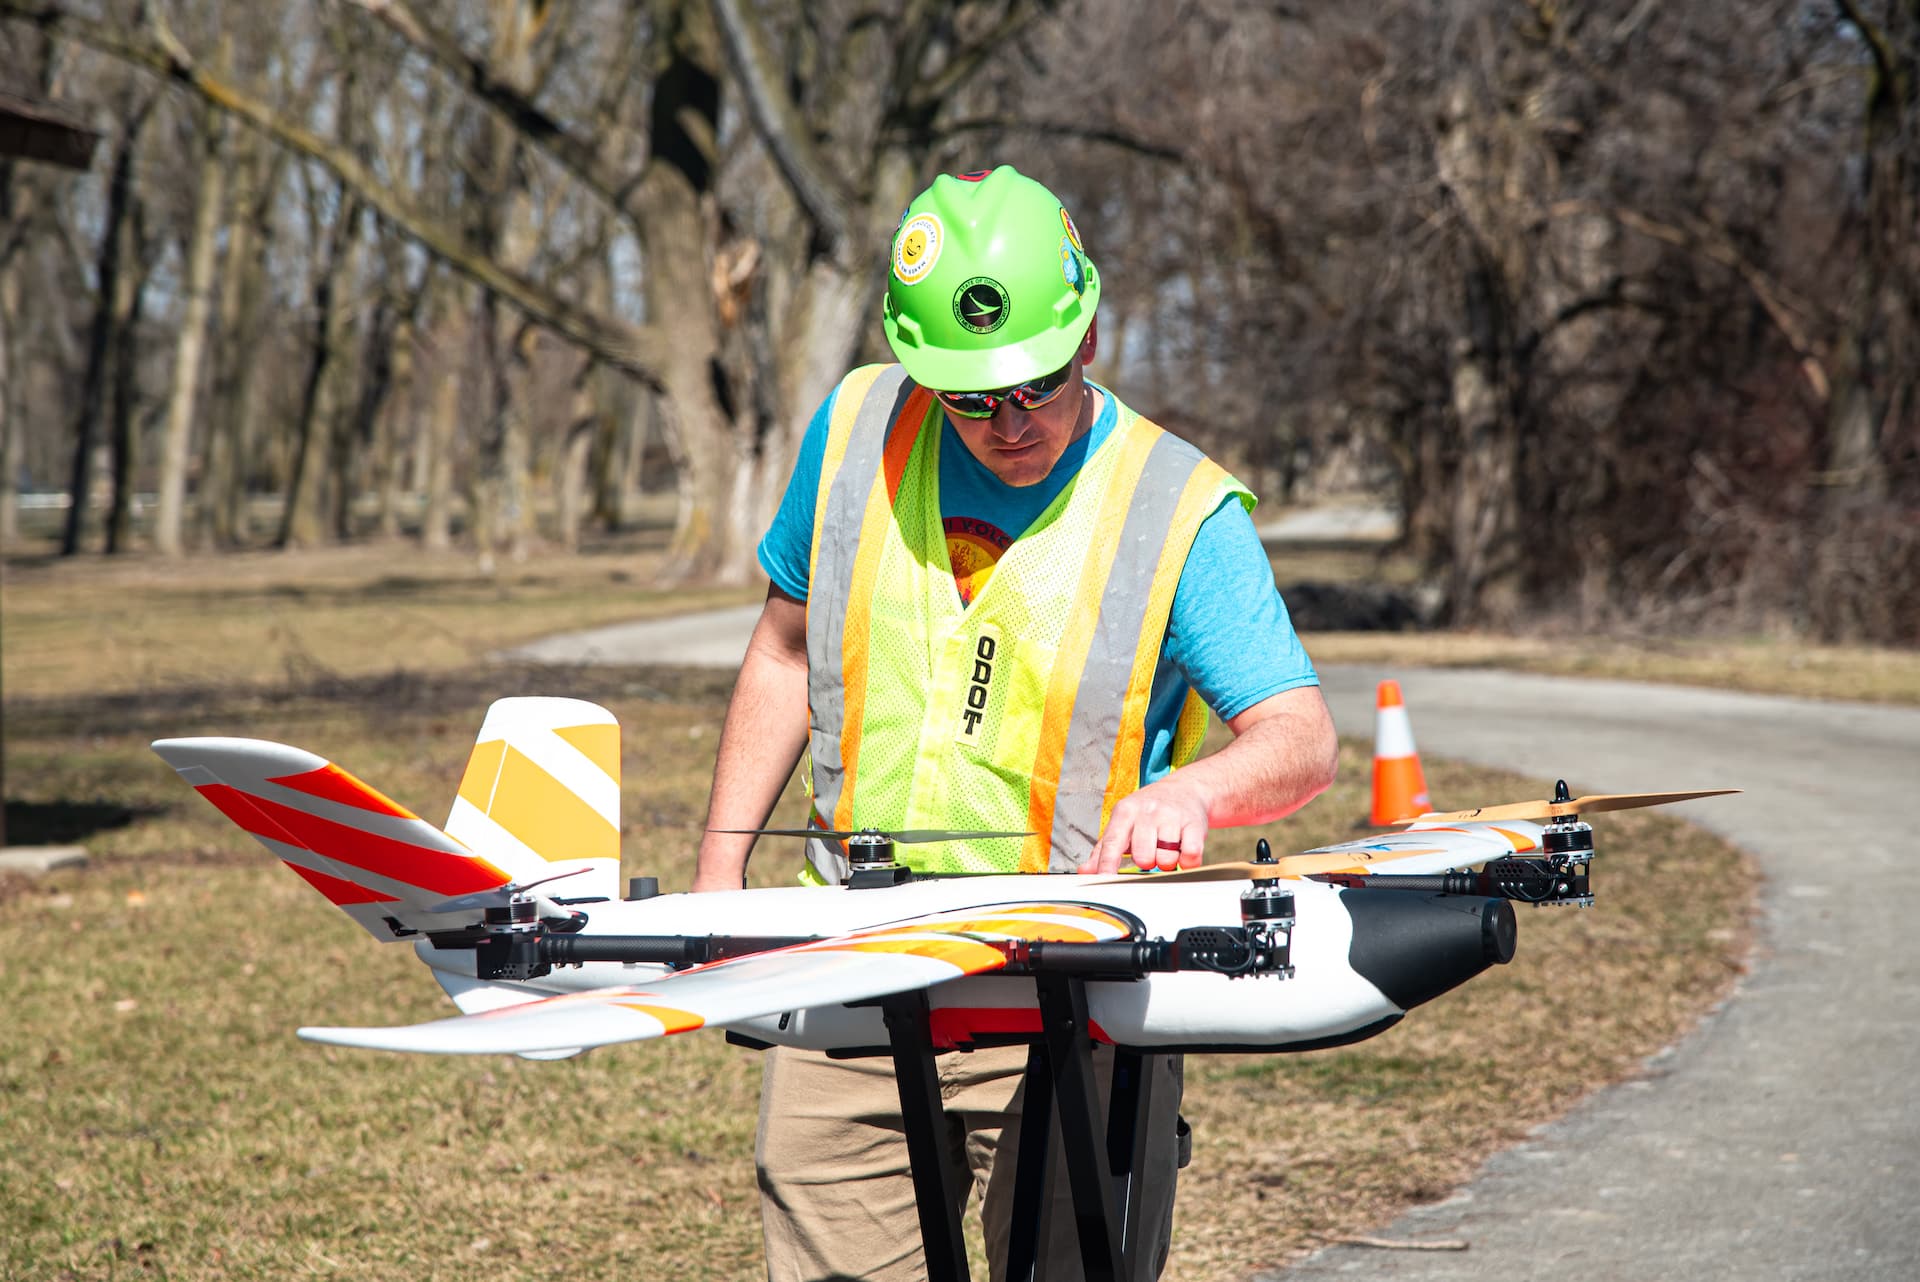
[
  {"x": 1271, "y": 770},
  {"x": 764, "y": 732}
]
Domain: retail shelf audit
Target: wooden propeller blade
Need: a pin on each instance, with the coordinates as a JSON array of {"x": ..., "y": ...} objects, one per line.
[
  {"x": 904, "y": 835},
  {"x": 1301, "y": 865},
  {"x": 1559, "y": 809}
]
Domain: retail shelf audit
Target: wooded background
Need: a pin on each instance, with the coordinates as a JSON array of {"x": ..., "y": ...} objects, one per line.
[{"x": 1617, "y": 302}]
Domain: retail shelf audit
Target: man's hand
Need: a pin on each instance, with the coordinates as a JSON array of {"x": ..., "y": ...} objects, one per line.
[
  {"x": 1282, "y": 756},
  {"x": 1163, "y": 825}
]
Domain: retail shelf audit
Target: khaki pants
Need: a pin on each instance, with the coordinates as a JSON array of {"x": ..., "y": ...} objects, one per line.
[{"x": 836, "y": 1189}]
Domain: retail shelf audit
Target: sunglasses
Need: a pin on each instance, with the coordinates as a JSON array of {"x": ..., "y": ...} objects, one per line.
[{"x": 1030, "y": 395}]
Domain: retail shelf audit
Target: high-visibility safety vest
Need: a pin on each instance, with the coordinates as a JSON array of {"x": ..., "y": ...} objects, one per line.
[{"x": 1024, "y": 711}]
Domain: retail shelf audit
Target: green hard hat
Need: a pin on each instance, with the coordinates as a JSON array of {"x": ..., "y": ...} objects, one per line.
[{"x": 989, "y": 284}]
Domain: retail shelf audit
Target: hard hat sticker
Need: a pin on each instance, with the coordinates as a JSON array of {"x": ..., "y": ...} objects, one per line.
[
  {"x": 981, "y": 305},
  {"x": 1073, "y": 233},
  {"x": 917, "y": 248},
  {"x": 1070, "y": 267}
]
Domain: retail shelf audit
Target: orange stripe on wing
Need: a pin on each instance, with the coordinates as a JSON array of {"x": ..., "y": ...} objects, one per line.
[
  {"x": 439, "y": 871},
  {"x": 970, "y": 956},
  {"x": 1119, "y": 923},
  {"x": 1521, "y": 842},
  {"x": 1022, "y": 928},
  {"x": 334, "y": 784},
  {"x": 674, "y": 1020},
  {"x": 339, "y": 890}
]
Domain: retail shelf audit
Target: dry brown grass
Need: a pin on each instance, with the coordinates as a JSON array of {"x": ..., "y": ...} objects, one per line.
[{"x": 142, "y": 623}]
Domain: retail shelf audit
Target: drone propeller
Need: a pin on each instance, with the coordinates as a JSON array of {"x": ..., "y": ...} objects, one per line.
[
  {"x": 499, "y": 896},
  {"x": 1563, "y": 806},
  {"x": 1309, "y": 863},
  {"x": 909, "y": 835}
]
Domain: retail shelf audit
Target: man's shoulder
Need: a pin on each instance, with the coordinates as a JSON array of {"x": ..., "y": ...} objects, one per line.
[
  {"x": 862, "y": 378},
  {"x": 1172, "y": 446},
  {"x": 1174, "y": 454}
]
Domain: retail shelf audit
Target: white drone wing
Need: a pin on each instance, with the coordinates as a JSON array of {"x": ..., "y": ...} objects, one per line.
[{"x": 917, "y": 953}]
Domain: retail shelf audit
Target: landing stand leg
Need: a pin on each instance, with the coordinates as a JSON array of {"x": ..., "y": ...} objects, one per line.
[
  {"x": 1127, "y": 1109},
  {"x": 1034, "y": 1174},
  {"x": 909, "y": 1029},
  {"x": 1063, "y": 1023}
]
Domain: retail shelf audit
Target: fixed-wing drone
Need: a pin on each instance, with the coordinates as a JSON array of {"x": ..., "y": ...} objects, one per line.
[{"x": 514, "y": 908}]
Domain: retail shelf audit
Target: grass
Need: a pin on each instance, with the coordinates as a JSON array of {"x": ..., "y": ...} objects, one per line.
[
  {"x": 263, "y": 618},
  {"x": 158, "y": 1118}
]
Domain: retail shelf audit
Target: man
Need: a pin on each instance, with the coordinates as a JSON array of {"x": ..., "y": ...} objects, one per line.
[{"x": 1000, "y": 601}]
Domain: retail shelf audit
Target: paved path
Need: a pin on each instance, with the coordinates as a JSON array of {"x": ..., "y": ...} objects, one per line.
[{"x": 1779, "y": 1141}]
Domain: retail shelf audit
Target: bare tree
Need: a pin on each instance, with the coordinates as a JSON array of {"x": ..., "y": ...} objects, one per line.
[
  {"x": 200, "y": 250},
  {"x": 116, "y": 275}
]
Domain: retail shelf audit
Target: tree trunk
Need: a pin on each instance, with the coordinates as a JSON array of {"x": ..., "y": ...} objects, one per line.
[
  {"x": 300, "y": 523},
  {"x": 13, "y": 429},
  {"x": 443, "y": 421},
  {"x": 225, "y": 518},
  {"x": 178, "y": 434},
  {"x": 100, "y": 338},
  {"x": 394, "y": 427},
  {"x": 1876, "y": 384},
  {"x": 571, "y": 471},
  {"x": 123, "y": 424},
  {"x": 353, "y": 442}
]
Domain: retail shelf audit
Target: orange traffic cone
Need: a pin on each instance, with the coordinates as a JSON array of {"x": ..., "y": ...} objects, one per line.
[{"x": 1399, "y": 784}]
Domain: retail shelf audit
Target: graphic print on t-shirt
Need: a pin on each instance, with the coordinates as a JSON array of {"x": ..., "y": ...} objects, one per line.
[{"x": 974, "y": 547}]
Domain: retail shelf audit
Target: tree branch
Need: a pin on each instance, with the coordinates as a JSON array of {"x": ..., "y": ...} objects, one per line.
[
  {"x": 926, "y": 97},
  {"x": 780, "y": 123},
  {"x": 1053, "y": 128},
  {"x": 638, "y": 349},
  {"x": 520, "y": 112},
  {"x": 1886, "y": 62},
  {"x": 1780, "y": 307}
]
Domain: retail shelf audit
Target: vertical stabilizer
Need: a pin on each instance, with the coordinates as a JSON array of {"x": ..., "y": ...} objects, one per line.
[{"x": 541, "y": 795}]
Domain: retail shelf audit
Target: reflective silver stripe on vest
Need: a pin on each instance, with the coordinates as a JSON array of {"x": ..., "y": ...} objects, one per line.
[
  {"x": 1087, "y": 761},
  {"x": 832, "y": 588}
]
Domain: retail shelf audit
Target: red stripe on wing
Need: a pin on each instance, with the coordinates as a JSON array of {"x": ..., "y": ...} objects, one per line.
[
  {"x": 334, "y": 784},
  {"x": 340, "y": 890},
  {"x": 439, "y": 871}
]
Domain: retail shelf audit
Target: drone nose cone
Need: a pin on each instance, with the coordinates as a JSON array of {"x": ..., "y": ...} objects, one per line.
[{"x": 1414, "y": 947}]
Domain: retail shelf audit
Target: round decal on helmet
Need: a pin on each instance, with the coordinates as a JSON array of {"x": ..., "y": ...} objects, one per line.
[
  {"x": 1073, "y": 233},
  {"x": 1070, "y": 267},
  {"x": 917, "y": 248},
  {"x": 981, "y": 304}
]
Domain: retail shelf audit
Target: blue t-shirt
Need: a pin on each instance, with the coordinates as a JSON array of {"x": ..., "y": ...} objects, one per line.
[{"x": 1228, "y": 635}]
